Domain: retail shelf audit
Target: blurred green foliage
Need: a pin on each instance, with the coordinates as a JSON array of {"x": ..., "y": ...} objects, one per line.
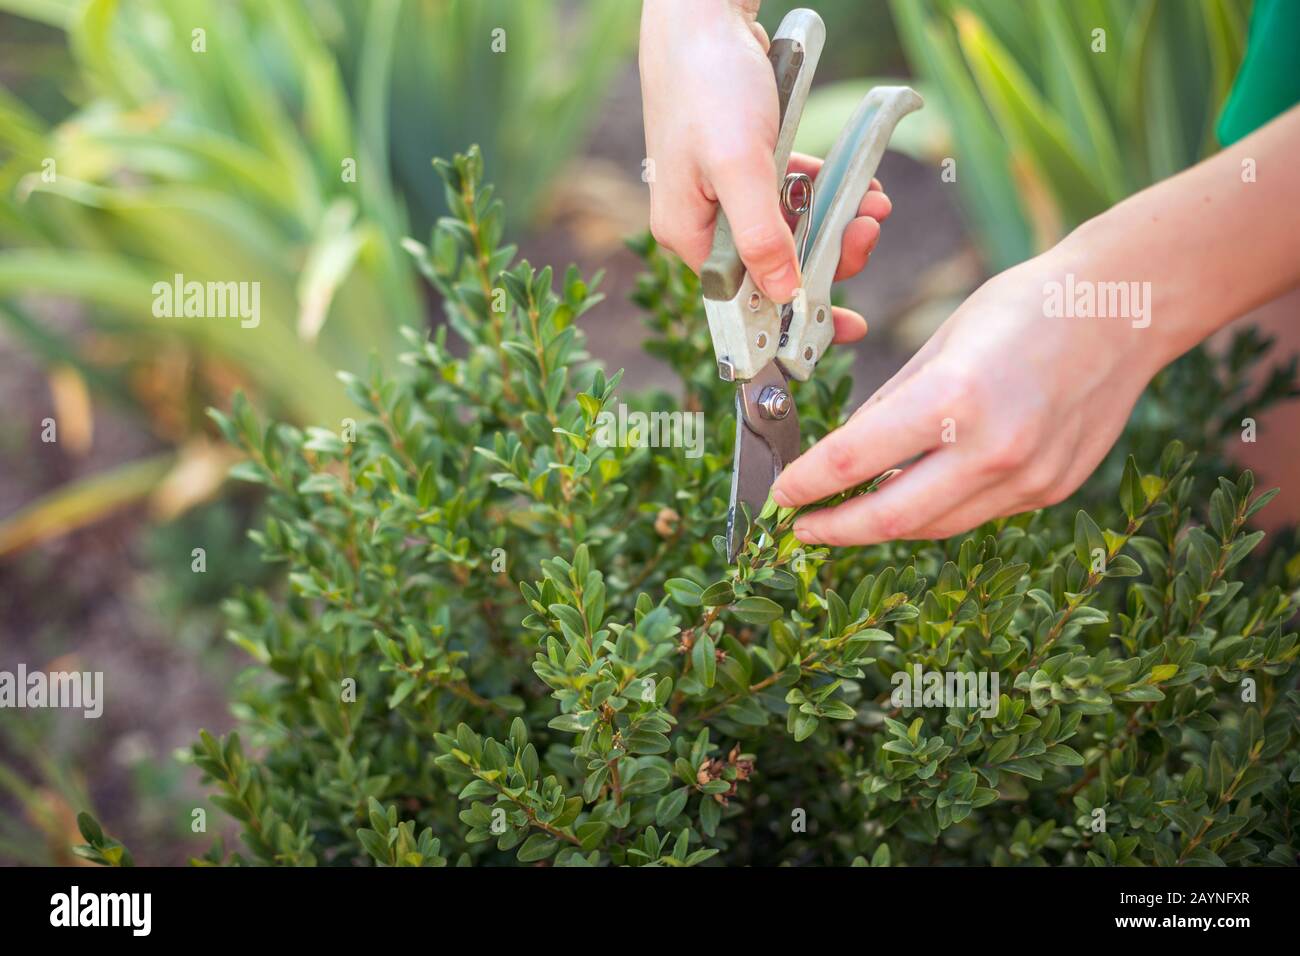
[
  {"x": 220, "y": 165},
  {"x": 227, "y": 155},
  {"x": 1059, "y": 110},
  {"x": 282, "y": 144},
  {"x": 38, "y": 794},
  {"x": 526, "y": 79}
]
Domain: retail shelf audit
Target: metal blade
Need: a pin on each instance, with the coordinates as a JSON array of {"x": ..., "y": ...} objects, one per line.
[
  {"x": 753, "y": 471},
  {"x": 767, "y": 439}
]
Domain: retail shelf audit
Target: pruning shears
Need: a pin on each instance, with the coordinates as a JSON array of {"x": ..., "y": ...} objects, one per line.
[{"x": 759, "y": 345}]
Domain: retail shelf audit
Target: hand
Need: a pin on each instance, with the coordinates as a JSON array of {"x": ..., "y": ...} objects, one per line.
[
  {"x": 711, "y": 124},
  {"x": 1010, "y": 410}
]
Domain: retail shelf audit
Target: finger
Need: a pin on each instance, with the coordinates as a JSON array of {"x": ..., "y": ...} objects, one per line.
[
  {"x": 876, "y": 204},
  {"x": 979, "y": 508},
  {"x": 860, "y": 238},
  {"x": 893, "y": 430},
  {"x": 743, "y": 183},
  {"x": 849, "y": 325},
  {"x": 1005, "y": 496},
  {"x": 902, "y": 509}
]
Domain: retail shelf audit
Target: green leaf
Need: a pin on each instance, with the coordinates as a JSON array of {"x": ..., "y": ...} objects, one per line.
[
  {"x": 757, "y": 610},
  {"x": 1032, "y": 127},
  {"x": 539, "y": 846},
  {"x": 374, "y": 844},
  {"x": 1087, "y": 539},
  {"x": 670, "y": 805},
  {"x": 717, "y": 594},
  {"x": 1132, "y": 497},
  {"x": 90, "y": 829},
  {"x": 685, "y": 592},
  {"x": 591, "y": 833},
  {"x": 704, "y": 659},
  {"x": 402, "y": 692},
  {"x": 834, "y": 709},
  {"x": 570, "y": 723},
  {"x": 804, "y": 726}
]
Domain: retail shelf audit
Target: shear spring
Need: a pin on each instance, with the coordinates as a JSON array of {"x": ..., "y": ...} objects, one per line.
[
  {"x": 791, "y": 208},
  {"x": 800, "y": 209}
]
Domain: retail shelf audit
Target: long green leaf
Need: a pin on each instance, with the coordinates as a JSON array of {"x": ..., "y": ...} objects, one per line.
[
  {"x": 1065, "y": 48},
  {"x": 1225, "y": 36},
  {"x": 54, "y": 13},
  {"x": 986, "y": 187},
  {"x": 1033, "y": 128},
  {"x": 82, "y": 502}
]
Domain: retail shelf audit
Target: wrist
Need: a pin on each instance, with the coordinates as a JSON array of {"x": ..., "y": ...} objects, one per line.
[
  {"x": 1212, "y": 242},
  {"x": 1142, "y": 293}
]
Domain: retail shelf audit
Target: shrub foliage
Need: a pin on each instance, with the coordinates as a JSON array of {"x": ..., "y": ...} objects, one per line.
[{"x": 499, "y": 640}]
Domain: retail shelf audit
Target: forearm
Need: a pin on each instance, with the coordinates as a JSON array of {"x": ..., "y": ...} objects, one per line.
[{"x": 1214, "y": 241}]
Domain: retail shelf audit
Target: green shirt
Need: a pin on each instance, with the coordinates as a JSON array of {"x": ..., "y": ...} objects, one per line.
[{"x": 1268, "y": 83}]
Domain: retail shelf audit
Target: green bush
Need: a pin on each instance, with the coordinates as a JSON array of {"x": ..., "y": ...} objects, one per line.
[{"x": 499, "y": 640}]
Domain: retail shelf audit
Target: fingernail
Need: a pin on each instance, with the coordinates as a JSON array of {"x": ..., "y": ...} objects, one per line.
[
  {"x": 781, "y": 283},
  {"x": 782, "y": 499},
  {"x": 806, "y": 535}
]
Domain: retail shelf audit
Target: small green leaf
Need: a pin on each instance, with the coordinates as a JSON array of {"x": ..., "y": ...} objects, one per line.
[
  {"x": 90, "y": 829},
  {"x": 537, "y": 847},
  {"x": 757, "y": 610},
  {"x": 685, "y": 592},
  {"x": 704, "y": 659}
]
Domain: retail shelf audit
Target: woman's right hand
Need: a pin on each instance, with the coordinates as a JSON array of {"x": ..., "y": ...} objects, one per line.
[{"x": 711, "y": 124}]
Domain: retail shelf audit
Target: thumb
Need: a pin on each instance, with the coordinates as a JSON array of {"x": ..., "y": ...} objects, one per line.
[{"x": 746, "y": 189}]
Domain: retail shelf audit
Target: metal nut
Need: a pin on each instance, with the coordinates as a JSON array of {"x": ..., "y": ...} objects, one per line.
[{"x": 774, "y": 402}]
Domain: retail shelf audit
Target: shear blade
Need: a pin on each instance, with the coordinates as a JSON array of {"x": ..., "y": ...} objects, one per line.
[{"x": 764, "y": 446}]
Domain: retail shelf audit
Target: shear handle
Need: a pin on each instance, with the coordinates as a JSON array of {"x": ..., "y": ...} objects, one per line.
[{"x": 843, "y": 180}]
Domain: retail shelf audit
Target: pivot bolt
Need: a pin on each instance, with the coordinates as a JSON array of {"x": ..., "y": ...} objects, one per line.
[{"x": 774, "y": 402}]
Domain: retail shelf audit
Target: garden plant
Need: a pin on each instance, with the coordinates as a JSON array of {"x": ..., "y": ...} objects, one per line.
[
  {"x": 267, "y": 143},
  {"x": 501, "y": 639}
]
